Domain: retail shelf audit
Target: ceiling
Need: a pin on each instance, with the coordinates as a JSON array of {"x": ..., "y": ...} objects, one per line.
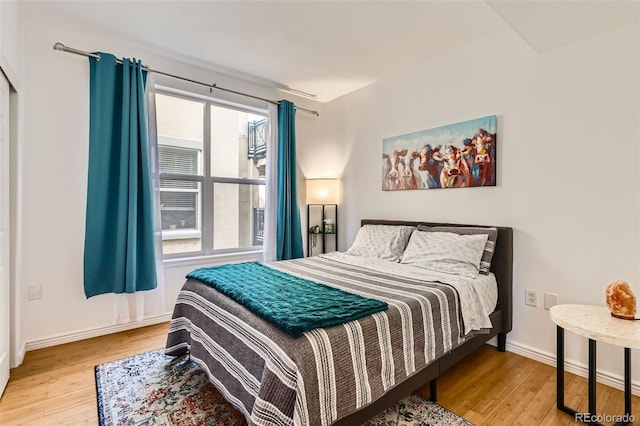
[{"x": 331, "y": 48}]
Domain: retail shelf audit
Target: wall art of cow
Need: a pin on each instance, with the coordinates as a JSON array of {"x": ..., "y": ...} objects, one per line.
[{"x": 452, "y": 156}]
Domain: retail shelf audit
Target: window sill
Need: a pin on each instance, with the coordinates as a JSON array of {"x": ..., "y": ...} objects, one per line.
[
  {"x": 246, "y": 254},
  {"x": 180, "y": 234}
]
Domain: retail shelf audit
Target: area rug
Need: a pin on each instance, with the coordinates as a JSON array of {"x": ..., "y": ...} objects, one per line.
[{"x": 155, "y": 389}]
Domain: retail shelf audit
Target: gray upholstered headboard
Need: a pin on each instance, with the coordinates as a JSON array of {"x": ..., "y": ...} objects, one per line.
[{"x": 501, "y": 264}]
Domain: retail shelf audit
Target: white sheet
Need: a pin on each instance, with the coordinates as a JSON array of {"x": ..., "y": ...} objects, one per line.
[{"x": 478, "y": 296}]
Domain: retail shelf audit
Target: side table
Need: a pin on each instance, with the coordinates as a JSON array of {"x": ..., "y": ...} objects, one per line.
[{"x": 596, "y": 324}]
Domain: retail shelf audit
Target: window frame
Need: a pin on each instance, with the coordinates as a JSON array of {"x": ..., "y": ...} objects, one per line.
[{"x": 206, "y": 181}]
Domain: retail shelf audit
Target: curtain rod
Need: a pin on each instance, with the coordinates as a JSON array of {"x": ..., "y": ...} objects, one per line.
[{"x": 61, "y": 47}]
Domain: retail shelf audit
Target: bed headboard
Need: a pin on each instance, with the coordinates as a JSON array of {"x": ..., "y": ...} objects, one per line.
[{"x": 501, "y": 263}]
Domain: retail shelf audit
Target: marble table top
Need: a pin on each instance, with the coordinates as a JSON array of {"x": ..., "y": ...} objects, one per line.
[{"x": 596, "y": 322}]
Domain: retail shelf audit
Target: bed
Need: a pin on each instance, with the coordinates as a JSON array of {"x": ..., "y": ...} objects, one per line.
[{"x": 344, "y": 374}]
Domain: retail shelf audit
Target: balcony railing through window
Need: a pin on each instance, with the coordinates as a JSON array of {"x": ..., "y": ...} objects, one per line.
[
  {"x": 257, "y": 132},
  {"x": 258, "y": 226}
]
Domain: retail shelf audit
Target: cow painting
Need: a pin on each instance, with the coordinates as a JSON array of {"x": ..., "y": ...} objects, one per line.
[{"x": 454, "y": 156}]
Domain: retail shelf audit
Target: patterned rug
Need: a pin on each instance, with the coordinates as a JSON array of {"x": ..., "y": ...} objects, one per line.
[{"x": 155, "y": 389}]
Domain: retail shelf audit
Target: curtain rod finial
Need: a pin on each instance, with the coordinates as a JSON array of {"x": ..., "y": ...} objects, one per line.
[{"x": 59, "y": 46}]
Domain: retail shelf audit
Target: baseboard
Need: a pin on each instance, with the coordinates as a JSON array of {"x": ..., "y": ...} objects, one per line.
[
  {"x": 94, "y": 332},
  {"x": 581, "y": 370}
]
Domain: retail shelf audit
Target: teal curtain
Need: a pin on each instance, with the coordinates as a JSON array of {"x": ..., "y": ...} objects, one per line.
[
  {"x": 288, "y": 227},
  {"x": 119, "y": 252}
]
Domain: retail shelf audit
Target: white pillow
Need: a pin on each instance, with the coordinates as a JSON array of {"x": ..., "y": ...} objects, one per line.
[
  {"x": 446, "y": 252},
  {"x": 386, "y": 242}
]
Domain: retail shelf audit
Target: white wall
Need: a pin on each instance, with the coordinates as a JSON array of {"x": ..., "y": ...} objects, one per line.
[
  {"x": 55, "y": 173},
  {"x": 568, "y": 151}
]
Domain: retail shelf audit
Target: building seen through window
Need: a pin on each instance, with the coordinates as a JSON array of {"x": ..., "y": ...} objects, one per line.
[{"x": 212, "y": 167}]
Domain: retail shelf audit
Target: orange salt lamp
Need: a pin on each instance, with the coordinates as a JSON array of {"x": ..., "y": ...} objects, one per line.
[{"x": 621, "y": 301}]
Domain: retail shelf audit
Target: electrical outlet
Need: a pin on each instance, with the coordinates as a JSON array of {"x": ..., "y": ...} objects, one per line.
[
  {"x": 550, "y": 300},
  {"x": 530, "y": 297},
  {"x": 34, "y": 292}
]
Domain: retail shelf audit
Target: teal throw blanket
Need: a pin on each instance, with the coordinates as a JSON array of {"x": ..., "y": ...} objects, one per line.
[{"x": 292, "y": 304}]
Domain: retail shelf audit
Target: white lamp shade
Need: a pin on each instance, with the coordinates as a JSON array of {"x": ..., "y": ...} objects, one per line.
[{"x": 322, "y": 191}]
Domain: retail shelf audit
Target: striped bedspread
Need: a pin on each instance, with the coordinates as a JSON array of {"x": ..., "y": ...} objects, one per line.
[{"x": 328, "y": 373}]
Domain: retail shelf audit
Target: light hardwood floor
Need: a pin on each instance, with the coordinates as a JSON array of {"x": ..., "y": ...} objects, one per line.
[{"x": 56, "y": 386}]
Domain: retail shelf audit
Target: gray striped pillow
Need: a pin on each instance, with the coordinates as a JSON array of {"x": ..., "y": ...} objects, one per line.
[{"x": 485, "y": 262}]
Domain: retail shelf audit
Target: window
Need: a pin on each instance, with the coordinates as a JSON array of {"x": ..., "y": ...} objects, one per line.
[{"x": 212, "y": 168}]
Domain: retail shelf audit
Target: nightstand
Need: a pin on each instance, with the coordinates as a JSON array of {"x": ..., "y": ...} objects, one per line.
[{"x": 597, "y": 324}]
